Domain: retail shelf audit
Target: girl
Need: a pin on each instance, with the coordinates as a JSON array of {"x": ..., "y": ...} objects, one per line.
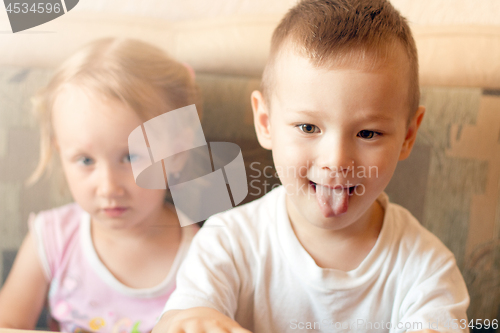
[{"x": 108, "y": 261}]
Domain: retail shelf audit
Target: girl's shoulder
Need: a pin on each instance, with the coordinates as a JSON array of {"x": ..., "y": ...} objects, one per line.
[
  {"x": 55, "y": 232},
  {"x": 64, "y": 217}
]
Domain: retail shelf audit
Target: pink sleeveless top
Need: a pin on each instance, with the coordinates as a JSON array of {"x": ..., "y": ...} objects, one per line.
[{"x": 83, "y": 294}]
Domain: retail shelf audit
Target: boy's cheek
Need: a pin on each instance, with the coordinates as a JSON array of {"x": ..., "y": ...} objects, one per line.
[{"x": 291, "y": 162}]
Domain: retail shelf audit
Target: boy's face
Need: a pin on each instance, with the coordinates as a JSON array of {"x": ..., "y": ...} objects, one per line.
[{"x": 336, "y": 136}]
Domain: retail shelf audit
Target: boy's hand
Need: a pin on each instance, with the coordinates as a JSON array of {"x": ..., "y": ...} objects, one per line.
[{"x": 197, "y": 320}]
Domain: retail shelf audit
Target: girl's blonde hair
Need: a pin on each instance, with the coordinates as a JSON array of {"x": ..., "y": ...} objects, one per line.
[{"x": 136, "y": 73}]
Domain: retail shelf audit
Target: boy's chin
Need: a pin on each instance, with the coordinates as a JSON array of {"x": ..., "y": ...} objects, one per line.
[{"x": 332, "y": 223}]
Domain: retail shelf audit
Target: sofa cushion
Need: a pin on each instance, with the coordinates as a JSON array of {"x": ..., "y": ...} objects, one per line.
[{"x": 456, "y": 194}]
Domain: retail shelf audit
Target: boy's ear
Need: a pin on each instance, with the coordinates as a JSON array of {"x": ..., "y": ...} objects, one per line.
[
  {"x": 411, "y": 133},
  {"x": 261, "y": 119}
]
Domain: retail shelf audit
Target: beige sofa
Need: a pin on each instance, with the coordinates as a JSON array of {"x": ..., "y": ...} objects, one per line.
[{"x": 451, "y": 183}]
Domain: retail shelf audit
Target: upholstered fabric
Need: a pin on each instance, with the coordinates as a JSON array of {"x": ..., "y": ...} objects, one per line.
[
  {"x": 457, "y": 173},
  {"x": 450, "y": 55}
]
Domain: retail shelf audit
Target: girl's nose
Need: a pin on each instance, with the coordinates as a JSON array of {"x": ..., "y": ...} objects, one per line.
[{"x": 109, "y": 183}]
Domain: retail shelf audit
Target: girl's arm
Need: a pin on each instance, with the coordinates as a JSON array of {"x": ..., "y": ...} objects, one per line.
[{"x": 23, "y": 294}]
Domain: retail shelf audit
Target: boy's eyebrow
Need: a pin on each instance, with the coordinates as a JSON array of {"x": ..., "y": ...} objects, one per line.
[
  {"x": 369, "y": 116},
  {"x": 308, "y": 112},
  {"x": 377, "y": 117}
]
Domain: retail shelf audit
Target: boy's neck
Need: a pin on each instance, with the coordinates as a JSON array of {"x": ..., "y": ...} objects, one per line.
[{"x": 350, "y": 245}]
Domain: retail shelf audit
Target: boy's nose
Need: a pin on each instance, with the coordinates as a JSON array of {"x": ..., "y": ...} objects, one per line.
[
  {"x": 335, "y": 156},
  {"x": 109, "y": 183}
]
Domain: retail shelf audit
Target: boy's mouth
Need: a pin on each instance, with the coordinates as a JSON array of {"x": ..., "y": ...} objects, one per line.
[{"x": 332, "y": 201}]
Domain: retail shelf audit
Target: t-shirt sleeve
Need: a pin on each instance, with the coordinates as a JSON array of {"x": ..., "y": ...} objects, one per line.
[
  {"x": 52, "y": 230},
  {"x": 208, "y": 277},
  {"x": 41, "y": 236},
  {"x": 438, "y": 300}
]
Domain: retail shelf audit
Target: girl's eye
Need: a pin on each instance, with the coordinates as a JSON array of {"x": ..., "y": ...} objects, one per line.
[
  {"x": 85, "y": 160},
  {"x": 365, "y": 134},
  {"x": 308, "y": 128},
  {"x": 129, "y": 158}
]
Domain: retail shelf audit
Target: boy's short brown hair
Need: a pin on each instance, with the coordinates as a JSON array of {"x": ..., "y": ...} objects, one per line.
[{"x": 336, "y": 33}]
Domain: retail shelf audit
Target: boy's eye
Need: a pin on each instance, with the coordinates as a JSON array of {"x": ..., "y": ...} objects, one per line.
[
  {"x": 366, "y": 134},
  {"x": 308, "y": 128},
  {"x": 85, "y": 160}
]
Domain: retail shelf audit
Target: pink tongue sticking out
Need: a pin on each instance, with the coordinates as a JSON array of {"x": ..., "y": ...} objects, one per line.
[{"x": 332, "y": 202}]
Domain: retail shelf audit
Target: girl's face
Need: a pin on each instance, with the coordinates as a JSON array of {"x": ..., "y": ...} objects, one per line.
[{"x": 92, "y": 139}]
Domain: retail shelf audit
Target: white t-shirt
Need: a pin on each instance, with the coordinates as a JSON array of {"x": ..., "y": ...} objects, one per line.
[{"x": 248, "y": 264}]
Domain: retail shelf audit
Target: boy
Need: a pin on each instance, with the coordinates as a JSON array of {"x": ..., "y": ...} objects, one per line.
[{"x": 326, "y": 251}]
